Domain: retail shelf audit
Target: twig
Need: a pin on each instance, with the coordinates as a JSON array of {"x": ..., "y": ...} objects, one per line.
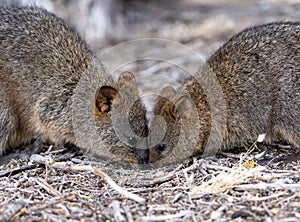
[
  {"x": 17, "y": 170},
  {"x": 47, "y": 187},
  {"x": 163, "y": 179},
  {"x": 117, "y": 211},
  {"x": 183, "y": 213},
  {"x": 128, "y": 214},
  {"x": 11, "y": 210},
  {"x": 86, "y": 168},
  {"x": 265, "y": 186},
  {"x": 18, "y": 214},
  {"x": 196, "y": 165},
  {"x": 176, "y": 198},
  {"x": 276, "y": 195}
]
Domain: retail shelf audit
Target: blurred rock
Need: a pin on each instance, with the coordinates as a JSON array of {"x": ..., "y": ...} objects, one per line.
[{"x": 94, "y": 20}]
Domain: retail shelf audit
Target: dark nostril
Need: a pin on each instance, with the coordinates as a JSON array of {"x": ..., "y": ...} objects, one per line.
[
  {"x": 143, "y": 155},
  {"x": 161, "y": 147},
  {"x": 145, "y": 161}
]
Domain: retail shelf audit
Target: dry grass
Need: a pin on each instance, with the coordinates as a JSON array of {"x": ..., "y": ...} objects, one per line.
[{"x": 220, "y": 187}]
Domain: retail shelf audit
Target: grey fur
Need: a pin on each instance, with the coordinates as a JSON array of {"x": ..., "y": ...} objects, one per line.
[
  {"x": 258, "y": 72},
  {"x": 42, "y": 60}
]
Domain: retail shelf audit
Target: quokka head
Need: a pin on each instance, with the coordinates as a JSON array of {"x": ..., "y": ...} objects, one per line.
[
  {"x": 120, "y": 123},
  {"x": 173, "y": 128}
]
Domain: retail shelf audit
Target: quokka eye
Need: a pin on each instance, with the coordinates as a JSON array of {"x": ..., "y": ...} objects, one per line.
[
  {"x": 132, "y": 141},
  {"x": 161, "y": 147}
]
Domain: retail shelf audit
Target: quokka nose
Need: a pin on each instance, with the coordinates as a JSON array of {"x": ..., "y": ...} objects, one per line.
[{"x": 143, "y": 155}]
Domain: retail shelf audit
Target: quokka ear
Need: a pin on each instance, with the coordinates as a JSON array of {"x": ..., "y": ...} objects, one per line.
[
  {"x": 104, "y": 98},
  {"x": 167, "y": 92},
  {"x": 165, "y": 95},
  {"x": 183, "y": 108},
  {"x": 126, "y": 79}
]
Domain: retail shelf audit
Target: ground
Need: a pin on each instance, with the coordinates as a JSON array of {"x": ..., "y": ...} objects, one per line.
[{"x": 261, "y": 186}]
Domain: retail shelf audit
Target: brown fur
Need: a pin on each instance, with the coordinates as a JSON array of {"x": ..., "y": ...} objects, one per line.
[
  {"x": 250, "y": 86},
  {"x": 43, "y": 63}
]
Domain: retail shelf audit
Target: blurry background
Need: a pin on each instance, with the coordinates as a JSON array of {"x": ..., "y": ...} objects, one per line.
[
  {"x": 103, "y": 22},
  {"x": 201, "y": 25}
]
